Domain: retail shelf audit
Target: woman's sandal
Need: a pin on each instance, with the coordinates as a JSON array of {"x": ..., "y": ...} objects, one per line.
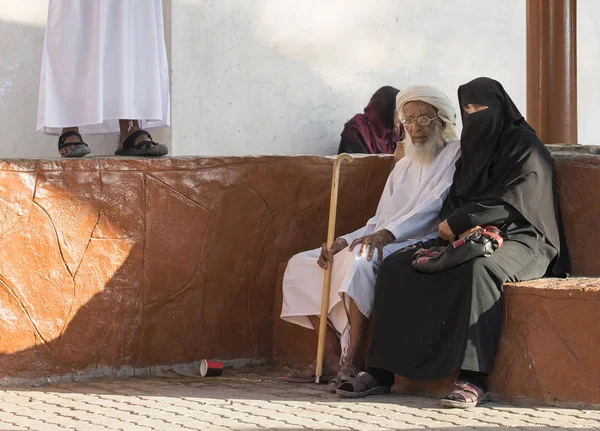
[
  {"x": 147, "y": 148},
  {"x": 346, "y": 373},
  {"x": 306, "y": 375},
  {"x": 465, "y": 396},
  {"x": 77, "y": 149},
  {"x": 362, "y": 385}
]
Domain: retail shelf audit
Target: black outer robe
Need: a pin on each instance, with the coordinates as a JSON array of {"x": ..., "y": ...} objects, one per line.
[{"x": 428, "y": 326}]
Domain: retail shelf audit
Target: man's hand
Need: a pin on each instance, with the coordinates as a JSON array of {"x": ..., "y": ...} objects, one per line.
[
  {"x": 327, "y": 255},
  {"x": 445, "y": 232},
  {"x": 375, "y": 241},
  {"x": 468, "y": 232}
]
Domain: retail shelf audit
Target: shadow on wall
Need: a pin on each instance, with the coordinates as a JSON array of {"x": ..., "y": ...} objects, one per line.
[{"x": 110, "y": 263}]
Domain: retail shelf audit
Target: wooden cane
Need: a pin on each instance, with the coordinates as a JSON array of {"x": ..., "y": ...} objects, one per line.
[{"x": 327, "y": 278}]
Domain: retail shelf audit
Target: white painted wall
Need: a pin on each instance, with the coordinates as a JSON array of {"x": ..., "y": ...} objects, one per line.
[
  {"x": 283, "y": 76},
  {"x": 22, "y": 27}
]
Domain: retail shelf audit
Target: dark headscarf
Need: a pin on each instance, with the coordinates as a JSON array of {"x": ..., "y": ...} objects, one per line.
[
  {"x": 502, "y": 159},
  {"x": 373, "y": 131}
]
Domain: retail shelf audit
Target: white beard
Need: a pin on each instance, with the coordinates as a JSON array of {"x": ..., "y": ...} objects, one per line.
[{"x": 425, "y": 153}]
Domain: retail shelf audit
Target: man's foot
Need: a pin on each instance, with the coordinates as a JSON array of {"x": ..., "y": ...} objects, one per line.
[
  {"x": 307, "y": 374},
  {"x": 362, "y": 385},
  {"x": 70, "y": 144},
  {"x": 138, "y": 142},
  {"x": 465, "y": 396},
  {"x": 347, "y": 372}
]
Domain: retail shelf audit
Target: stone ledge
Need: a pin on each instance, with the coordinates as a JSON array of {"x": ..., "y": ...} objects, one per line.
[{"x": 549, "y": 349}]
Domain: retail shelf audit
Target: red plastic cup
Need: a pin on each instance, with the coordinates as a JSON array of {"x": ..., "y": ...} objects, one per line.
[{"x": 210, "y": 368}]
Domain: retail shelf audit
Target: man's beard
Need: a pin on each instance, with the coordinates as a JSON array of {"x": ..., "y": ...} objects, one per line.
[{"x": 426, "y": 152}]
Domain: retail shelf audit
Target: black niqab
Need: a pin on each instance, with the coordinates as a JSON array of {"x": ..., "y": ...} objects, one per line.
[{"x": 502, "y": 159}]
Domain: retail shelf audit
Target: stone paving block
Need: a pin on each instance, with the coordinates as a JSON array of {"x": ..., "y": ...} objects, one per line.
[{"x": 180, "y": 404}]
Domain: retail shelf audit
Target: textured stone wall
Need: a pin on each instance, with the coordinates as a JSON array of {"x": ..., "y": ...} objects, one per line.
[
  {"x": 117, "y": 262},
  {"x": 142, "y": 262}
]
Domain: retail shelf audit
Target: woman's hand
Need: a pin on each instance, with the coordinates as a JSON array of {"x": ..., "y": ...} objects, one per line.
[
  {"x": 445, "y": 232},
  {"x": 468, "y": 232}
]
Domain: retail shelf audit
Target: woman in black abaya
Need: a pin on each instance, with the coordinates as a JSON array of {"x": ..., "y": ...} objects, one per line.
[{"x": 429, "y": 326}]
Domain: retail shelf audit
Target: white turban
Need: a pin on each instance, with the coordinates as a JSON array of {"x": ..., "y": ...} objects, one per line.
[{"x": 434, "y": 97}]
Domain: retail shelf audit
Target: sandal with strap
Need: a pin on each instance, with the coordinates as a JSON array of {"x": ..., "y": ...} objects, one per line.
[
  {"x": 306, "y": 375},
  {"x": 465, "y": 396},
  {"x": 77, "y": 149},
  {"x": 147, "y": 148},
  {"x": 346, "y": 373},
  {"x": 362, "y": 385}
]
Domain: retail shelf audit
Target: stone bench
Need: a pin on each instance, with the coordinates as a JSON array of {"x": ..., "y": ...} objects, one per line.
[
  {"x": 550, "y": 346},
  {"x": 549, "y": 349}
]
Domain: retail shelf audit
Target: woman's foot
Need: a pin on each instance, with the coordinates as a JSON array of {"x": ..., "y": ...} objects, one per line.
[
  {"x": 70, "y": 143},
  {"x": 465, "y": 396}
]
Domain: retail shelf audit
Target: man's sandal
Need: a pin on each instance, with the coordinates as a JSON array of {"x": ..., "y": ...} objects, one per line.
[
  {"x": 362, "y": 385},
  {"x": 147, "y": 148},
  {"x": 346, "y": 373},
  {"x": 77, "y": 149},
  {"x": 306, "y": 375},
  {"x": 465, "y": 396}
]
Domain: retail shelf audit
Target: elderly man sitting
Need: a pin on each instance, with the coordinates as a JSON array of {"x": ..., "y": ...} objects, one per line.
[{"x": 407, "y": 212}]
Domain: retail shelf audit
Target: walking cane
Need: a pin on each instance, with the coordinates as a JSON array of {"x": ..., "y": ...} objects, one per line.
[{"x": 327, "y": 279}]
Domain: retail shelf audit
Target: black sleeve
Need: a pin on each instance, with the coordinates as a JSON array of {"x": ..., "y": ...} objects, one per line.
[
  {"x": 351, "y": 147},
  {"x": 483, "y": 213}
]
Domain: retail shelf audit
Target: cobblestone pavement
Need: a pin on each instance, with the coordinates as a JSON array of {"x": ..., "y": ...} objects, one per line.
[{"x": 254, "y": 400}]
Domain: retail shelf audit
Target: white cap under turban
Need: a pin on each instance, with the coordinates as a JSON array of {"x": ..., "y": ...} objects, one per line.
[{"x": 434, "y": 97}]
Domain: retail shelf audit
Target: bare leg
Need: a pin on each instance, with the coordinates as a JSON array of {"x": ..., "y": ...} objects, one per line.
[
  {"x": 331, "y": 358},
  {"x": 359, "y": 324},
  {"x": 332, "y": 353}
]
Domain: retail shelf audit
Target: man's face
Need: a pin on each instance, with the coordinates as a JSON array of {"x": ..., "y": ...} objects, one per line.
[{"x": 418, "y": 132}]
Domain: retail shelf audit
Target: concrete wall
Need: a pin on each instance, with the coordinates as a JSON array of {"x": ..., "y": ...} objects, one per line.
[{"x": 282, "y": 76}]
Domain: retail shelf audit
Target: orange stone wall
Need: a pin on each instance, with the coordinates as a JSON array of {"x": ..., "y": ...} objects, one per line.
[
  {"x": 578, "y": 178},
  {"x": 113, "y": 262}
]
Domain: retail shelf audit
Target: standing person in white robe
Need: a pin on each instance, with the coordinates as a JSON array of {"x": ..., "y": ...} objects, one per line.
[
  {"x": 104, "y": 70},
  {"x": 407, "y": 213}
]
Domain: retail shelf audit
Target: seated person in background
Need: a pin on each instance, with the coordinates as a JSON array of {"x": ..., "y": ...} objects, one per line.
[
  {"x": 407, "y": 212},
  {"x": 430, "y": 326},
  {"x": 373, "y": 132}
]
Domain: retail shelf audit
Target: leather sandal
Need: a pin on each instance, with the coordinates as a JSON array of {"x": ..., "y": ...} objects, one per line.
[
  {"x": 362, "y": 385},
  {"x": 306, "y": 375},
  {"x": 465, "y": 396},
  {"x": 346, "y": 373},
  {"x": 76, "y": 149},
  {"x": 147, "y": 148}
]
